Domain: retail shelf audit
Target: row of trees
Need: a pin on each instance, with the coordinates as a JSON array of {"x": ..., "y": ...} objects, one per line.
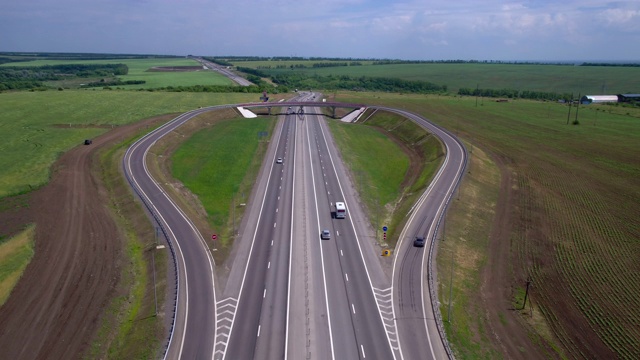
[
  {"x": 32, "y": 77},
  {"x": 515, "y": 94},
  {"x": 362, "y": 83}
]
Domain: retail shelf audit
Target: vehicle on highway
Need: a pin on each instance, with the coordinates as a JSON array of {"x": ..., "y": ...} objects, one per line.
[
  {"x": 419, "y": 241},
  {"x": 279, "y": 161},
  {"x": 341, "y": 210},
  {"x": 325, "y": 235}
]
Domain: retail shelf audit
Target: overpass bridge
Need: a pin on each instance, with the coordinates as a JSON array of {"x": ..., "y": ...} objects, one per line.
[{"x": 298, "y": 106}]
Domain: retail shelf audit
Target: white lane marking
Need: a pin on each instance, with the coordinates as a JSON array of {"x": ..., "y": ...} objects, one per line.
[
  {"x": 363, "y": 354},
  {"x": 264, "y": 293},
  {"x": 276, "y": 210},
  {"x": 353, "y": 308},
  {"x": 341, "y": 254},
  {"x": 324, "y": 275},
  {"x": 259, "y": 331},
  {"x": 337, "y": 233},
  {"x": 253, "y": 240},
  {"x": 346, "y": 276},
  {"x": 274, "y": 224},
  {"x": 269, "y": 265}
]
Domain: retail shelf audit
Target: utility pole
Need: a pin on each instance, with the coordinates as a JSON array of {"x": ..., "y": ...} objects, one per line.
[
  {"x": 526, "y": 294},
  {"x": 451, "y": 276},
  {"x": 570, "y": 105},
  {"x": 477, "y": 92},
  {"x": 577, "y": 108}
]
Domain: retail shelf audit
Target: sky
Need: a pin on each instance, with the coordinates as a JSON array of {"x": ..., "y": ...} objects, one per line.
[{"x": 532, "y": 30}]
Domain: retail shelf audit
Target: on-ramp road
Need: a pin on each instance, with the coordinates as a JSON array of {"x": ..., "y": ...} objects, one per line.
[{"x": 355, "y": 312}]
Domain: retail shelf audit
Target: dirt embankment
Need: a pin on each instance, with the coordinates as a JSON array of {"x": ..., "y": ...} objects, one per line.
[{"x": 55, "y": 309}]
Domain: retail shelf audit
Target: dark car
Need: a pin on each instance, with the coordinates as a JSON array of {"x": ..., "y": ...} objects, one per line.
[{"x": 419, "y": 241}]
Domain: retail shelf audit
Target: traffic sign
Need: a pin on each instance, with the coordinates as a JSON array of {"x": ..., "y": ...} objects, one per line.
[
  {"x": 384, "y": 228},
  {"x": 214, "y": 236}
]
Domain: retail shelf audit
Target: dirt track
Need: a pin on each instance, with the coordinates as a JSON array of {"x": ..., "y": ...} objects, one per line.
[{"x": 55, "y": 309}]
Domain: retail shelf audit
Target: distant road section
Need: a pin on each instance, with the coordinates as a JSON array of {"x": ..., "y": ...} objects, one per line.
[{"x": 224, "y": 71}]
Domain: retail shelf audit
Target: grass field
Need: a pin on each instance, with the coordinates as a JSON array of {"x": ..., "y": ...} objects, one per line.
[
  {"x": 138, "y": 70},
  {"x": 388, "y": 190},
  {"x": 216, "y": 165},
  {"x": 15, "y": 254},
  {"x": 36, "y": 127},
  {"x": 575, "y": 225},
  {"x": 593, "y": 80},
  {"x": 464, "y": 251}
]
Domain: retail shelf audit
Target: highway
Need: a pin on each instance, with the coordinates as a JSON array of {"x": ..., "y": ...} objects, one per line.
[
  {"x": 319, "y": 301},
  {"x": 413, "y": 277},
  {"x": 193, "y": 332},
  {"x": 290, "y": 294},
  {"x": 224, "y": 71}
]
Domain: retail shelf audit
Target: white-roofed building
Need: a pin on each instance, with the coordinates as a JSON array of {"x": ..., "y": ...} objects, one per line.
[{"x": 598, "y": 99}]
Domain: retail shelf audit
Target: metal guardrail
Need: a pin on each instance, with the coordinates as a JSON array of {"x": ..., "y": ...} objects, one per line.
[
  {"x": 151, "y": 211},
  {"x": 432, "y": 286},
  {"x": 431, "y": 281}
]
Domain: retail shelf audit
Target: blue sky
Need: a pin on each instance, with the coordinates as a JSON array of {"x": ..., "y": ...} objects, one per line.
[{"x": 404, "y": 29}]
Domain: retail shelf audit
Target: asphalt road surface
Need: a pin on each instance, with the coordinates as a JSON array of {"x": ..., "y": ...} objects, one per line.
[{"x": 289, "y": 293}]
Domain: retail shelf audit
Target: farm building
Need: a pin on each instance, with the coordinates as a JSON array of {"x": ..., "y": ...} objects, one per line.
[
  {"x": 629, "y": 98},
  {"x": 598, "y": 99}
]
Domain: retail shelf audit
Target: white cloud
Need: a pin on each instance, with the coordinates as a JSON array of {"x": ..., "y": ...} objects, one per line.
[{"x": 472, "y": 29}]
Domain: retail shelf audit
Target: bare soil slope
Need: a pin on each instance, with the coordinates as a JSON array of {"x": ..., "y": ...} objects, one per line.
[{"x": 54, "y": 310}]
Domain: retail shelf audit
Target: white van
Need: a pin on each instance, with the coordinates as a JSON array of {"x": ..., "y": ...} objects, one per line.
[{"x": 341, "y": 210}]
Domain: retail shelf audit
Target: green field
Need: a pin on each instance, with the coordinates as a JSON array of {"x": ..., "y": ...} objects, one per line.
[
  {"x": 593, "y": 80},
  {"x": 214, "y": 164},
  {"x": 139, "y": 70},
  {"x": 388, "y": 191},
  {"x": 575, "y": 226},
  {"x": 15, "y": 254},
  {"x": 37, "y": 127}
]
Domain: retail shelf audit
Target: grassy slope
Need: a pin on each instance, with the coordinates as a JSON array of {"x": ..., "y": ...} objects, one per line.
[
  {"x": 213, "y": 164},
  {"x": 592, "y": 80},
  {"x": 15, "y": 254},
  {"x": 381, "y": 169},
  {"x": 575, "y": 225},
  {"x": 31, "y": 142}
]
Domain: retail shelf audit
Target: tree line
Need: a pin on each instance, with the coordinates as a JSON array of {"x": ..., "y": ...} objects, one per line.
[
  {"x": 514, "y": 94},
  {"x": 33, "y": 77}
]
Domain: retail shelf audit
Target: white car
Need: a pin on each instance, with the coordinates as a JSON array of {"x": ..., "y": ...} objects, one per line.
[
  {"x": 325, "y": 235},
  {"x": 279, "y": 161}
]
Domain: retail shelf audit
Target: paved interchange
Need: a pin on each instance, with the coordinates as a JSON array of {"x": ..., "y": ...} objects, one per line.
[{"x": 290, "y": 294}]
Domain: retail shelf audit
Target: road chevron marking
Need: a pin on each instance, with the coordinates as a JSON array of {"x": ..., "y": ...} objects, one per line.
[
  {"x": 384, "y": 301},
  {"x": 225, "y": 314}
]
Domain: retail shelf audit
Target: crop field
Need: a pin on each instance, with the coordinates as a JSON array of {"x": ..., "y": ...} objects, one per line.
[
  {"x": 592, "y": 80},
  {"x": 576, "y": 228},
  {"x": 139, "y": 70},
  {"x": 37, "y": 127}
]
